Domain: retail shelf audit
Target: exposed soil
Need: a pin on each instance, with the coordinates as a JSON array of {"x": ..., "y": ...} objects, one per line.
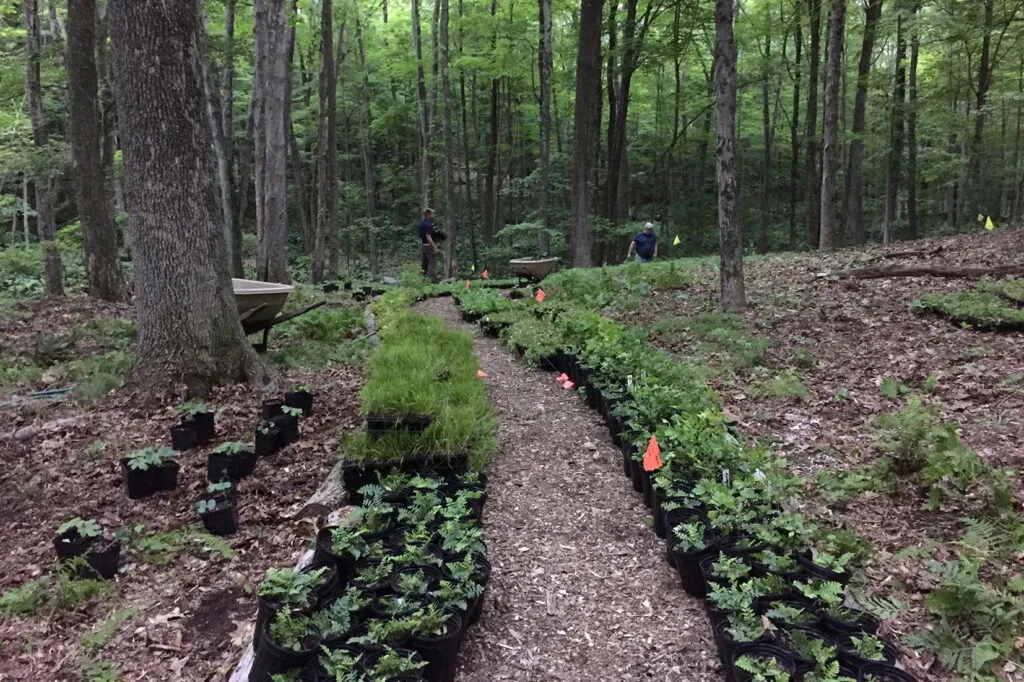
[{"x": 581, "y": 589}]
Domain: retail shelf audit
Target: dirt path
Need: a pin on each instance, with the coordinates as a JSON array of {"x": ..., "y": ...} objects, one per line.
[{"x": 580, "y": 589}]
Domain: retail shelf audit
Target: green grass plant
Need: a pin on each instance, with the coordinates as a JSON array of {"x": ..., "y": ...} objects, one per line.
[{"x": 974, "y": 309}]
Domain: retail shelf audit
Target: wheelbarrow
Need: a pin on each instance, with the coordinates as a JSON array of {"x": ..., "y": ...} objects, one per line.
[
  {"x": 532, "y": 270},
  {"x": 259, "y": 305}
]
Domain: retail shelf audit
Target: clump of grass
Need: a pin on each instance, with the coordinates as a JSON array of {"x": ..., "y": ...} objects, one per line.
[
  {"x": 974, "y": 309},
  {"x": 93, "y": 642},
  {"x": 49, "y": 594},
  {"x": 325, "y": 336},
  {"x": 787, "y": 384}
]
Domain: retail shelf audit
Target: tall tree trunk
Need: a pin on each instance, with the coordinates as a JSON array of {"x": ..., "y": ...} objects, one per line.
[
  {"x": 794, "y": 129},
  {"x": 452, "y": 265},
  {"x": 893, "y": 173},
  {"x": 813, "y": 222},
  {"x": 326, "y": 148},
  {"x": 490, "y": 191},
  {"x": 214, "y": 117},
  {"x": 588, "y": 94},
  {"x": 270, "y": 87},
  {"x": 730, "y": 231},
  {"x": 544, "y": 67},
  {"x": 423, "y": 109},
  {"x": 831, "y": 231},
  {"x": 44, "y": 180},
  {"x": 56, "y": 27},
  {"x": 188, "y": 328},
  {"x": 974, "y": 188},
  {"x": 366, "y": 140},
  {"x": 853, "y": 201},
  {"x": 246, "y": 163},
  {"x": 912, "y": 178},
  {"x": 227, "y": 124},
  {"x": 766, "y": 124},
  {"x": 99, "y": 232}
]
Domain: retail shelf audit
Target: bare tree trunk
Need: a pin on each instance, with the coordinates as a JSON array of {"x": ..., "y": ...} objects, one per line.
[
  {"x": 214, "y": 115},
  {"x": 544, "y": 66},
  {"x": 452, "y": 266},
  {"x": 366, "y": 140},
  {"x": 307, "y": 200},
  {"x": 99, "y": 232},
  {"x": 831, "y": 231},
  {"x": 467, "y": 205},
  {"x": 424, "y": 112},
  {"x": 853, "y": 201},
  {"x": 813, "y": 222},
  {"x": 270, "y": 85},
  {"x": 588, "y": 94},
  {"x": 227, "y": 125},
  {"x": 794, "y": 129},
  {"x": 326, "y": 149},
  {"x": 246, "y": 162},
  {"x": 893, "y": 172},
  {"x": 974, "y": 189},
  {"x": 766, "y": 123},
  {"x": 730, "y": 231},
  {"x": 56, "y": 27},
  {"x": 912, "y": 179},
  {"x": 25, "y": 207},
  {"x": 188, "y": 328},
  {"x": 44, "y": 180},
  {"x": 490, "y": 192}
]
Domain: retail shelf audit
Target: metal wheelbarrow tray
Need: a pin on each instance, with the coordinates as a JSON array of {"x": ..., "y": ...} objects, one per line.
[
  {"x": 533, "y": 269},
  {"x": 259, "y": 304}
]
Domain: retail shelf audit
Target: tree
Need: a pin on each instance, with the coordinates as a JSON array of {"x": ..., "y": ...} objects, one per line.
[
  {"x": 447, "y": 135},
  {"x": 95, "y": 208},
  {"x": 853, "y": 199},
  {"x": 270, "y": 87},
  {"x": 366, "y": 143},
  {"x": 490, "y": 191},
  {"x": 831, "y": 232},
  {"x": 912, "y": 174},
  {"x": 544, "y": 65},
  {"x": 813, "y": 221},
  {"x": 422, "y": 108},
  {"x": 730, "y": 231},
  {"x": 326, "y": 148},
  {"x": 44, "y": 179},
  {"x": 894, "y": 170},
  {"x": 188, "y": 327},
  {"x": 588, "y": 94}
]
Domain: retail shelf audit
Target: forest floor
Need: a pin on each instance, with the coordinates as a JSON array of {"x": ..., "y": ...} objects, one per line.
[
  {"x": 183, "y": 604},
  {"x": 580, "y": 590},
  {"x": 815, "y": 359}
]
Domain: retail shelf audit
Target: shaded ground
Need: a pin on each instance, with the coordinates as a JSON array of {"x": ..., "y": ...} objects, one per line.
[
  {"x": 581, "y": 589},
  {"x": 183, "y": 601}
]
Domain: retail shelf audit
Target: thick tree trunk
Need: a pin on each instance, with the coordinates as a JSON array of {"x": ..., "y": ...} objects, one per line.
[
  {"x": 490, "y": 191},
  {"x": 366, "y": 142},
  {"x": 423, "y": 109},
  {"x": 730, "y": 231},
  {"x": 188, "y": 328},
  {"x": 544, "y": 67},
  {"x": 853, "y": 201},
  {"x": 794, "y": 130},
  {"x": 270, "y": 86},
  {"x": 588, "y": 94},
  {"x": 326, "y": 148},
  {"x": 44, "y": 180},
  {"x": 227, "y": 123},
  {"x": 894, "y": 169},
  {"x": 813, "y": 221},
  {"x": 214, "y": 115},
  {"x": 912, "y": 179},
  {"x": 831, "y": 231},
  {"x": 452, "y": 266},
  {"x": 974, "y": 188},
  {"x": 766, "y": 124},
  {"x": 95, "y": 208}
]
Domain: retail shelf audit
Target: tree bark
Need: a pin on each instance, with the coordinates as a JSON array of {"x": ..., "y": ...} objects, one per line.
[
  {"x": 326, "y": 148},
  {"x": 490, "y": 191},
  {"x": 730, "y": 231},
  {"x": 95, "y": 208},
  {"x": 227, "y": 123},
  {"x": 423, "y": 109},
  {"x": 794, "y": 130},
  {"x": 853, "y": 201},
  {"x": 588, "y": 94},
  {"x": 544, "y": 59},
  {"x": 366, "y": 141},
  {"x": 270, "y": 85},
  {"x": 813, "y": 220},
  {"x": 912, "y": 173},
  {"x": 831, "y": 232},
  {"x": 981, "y": 100},
  {"x": 188, "y": 328},
  {"x": 766, "y": 124},
  {"x": 452, "y": 266},
  {"x": 894, "y": 169},
  {"x": 44, "y": 180}
]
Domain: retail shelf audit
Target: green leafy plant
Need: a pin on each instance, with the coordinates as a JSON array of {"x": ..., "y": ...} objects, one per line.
[
  {"x": 230, "y": 448},
  {"x": 868, "y": 647},
  {"x": 762, "y": 669},
  {"x": 390, "y": 665},
  {"x": 84, "y": 528},
  {"x": 290, "y": 630},
  {"x": 205, "y": 506},
  {"x": 690, "y": 536},
  {"x": 292, "y": 411},
  {"x": 290, "y": 588},
  {"x": 193, "y": 407},
  {"x": 142, "y": 460}
]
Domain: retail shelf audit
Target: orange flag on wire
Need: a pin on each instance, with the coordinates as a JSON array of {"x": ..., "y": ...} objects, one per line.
[
  {"x": 540, "y": 296},
  {"x": 562, "y": 378},
  {"x": 467, "y": 283},
  {"x": 484, "y": 274},
  {"x": 652, "y": 458},
  {"x": 567, "y": 385},
  {"x": 480, "y": 374}
]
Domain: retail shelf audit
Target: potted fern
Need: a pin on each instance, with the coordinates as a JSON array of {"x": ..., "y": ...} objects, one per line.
[{"x": 287, "y": 641}]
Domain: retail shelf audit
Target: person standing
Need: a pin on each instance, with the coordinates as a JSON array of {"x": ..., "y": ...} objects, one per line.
[
  {"x": 428, "y": 249},
  {"x": 644, "y": 244}
]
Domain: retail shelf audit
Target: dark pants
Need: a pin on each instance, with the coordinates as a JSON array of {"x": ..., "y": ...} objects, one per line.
[{"x": 429, "y": 262}]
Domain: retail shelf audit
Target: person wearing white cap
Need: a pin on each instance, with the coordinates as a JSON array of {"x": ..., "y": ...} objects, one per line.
[{"x": 645, "y": 244}]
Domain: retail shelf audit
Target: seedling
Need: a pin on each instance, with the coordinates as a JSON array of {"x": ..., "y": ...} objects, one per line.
[
  {"x": 85, "y": 528},
  {"x": 292, "y": 411},
  {"x": 218, "y": 487},
  {"x": 142, "y": 460},
  {"x": 763, "y": 669},
  {"x": 289, "y": 630},
  {"x": 392, "y": 665},
  {"x": 206, "y": 506},
  {"x": 302, "y": 388},
  {"x": 193, "y": 407},
  {"x": 290, "y": 588},
  {"x": 869, "y": 647},
  {"x": 230, "y": 448},
  {"x": 690, "y": 537}
]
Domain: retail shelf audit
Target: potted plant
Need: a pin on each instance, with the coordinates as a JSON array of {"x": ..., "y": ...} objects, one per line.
[
  {"x": 828, "y": 566},
  {"x": 286, "y": 589},
  {"x": 883, "y": 672},
  {"x": 339, "y": 663},
  {"x": 74, "y": 537},
  {"x": 341, "y": 547},
  {"x": 268, "y": 439},
  {"x": 391, "y": 664},
  {"x": 762, "y": 663},
  {"x": 271, "y": 407},
  {"x": 219, "y": 516},
  {"x": 435, "y": 635},
  {"x": 338, "y": 618},
  {"x": 688, "y": 543},
  {"x": 416, "y": 580},
  {"x": 149, "y": 470},
  {"x": 857, "y": 651},
  {"x": 230, "y": 461},
  {"x": 301, "y": 398},
  {"x": 288, "y": 424},
  {"x": 836, "y": 616},
  {"x": 195, "y": 428},
  {"x": 287, "y": 641}
]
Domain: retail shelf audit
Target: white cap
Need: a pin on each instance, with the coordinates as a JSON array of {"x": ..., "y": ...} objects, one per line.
[{"x": 649, "y": 226}]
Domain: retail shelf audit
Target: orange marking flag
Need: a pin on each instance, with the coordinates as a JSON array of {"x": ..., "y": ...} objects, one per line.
[
  {"x": 484, "y": 274},
  {"x": 467, "y": 283},
  {"x": 567, "y": 385},
  {"x": 652, "y": 458},
  {"x": 562, "y": 378},
  {"x": 480, "y": 374},
  {"x": 540, "y": 296}
]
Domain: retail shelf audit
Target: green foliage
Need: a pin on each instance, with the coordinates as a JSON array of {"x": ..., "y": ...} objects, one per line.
[
  {"x": 785, "y": 384},
  {"x": 101, "y": 671},
  {"x": 49, "y": 594},
  {"x": 907, "y": 437},
  {"x": 290, "y": 588},
  {"x": 93, "y": 642},
  {"x": 762, "y": 669},
  {"x": 289, "y": 630},
  {"x": 157, "y": 549},
  {"x": 142, "y": 460},
  {"x": 86, "y": 528},
  {"x": 230, "y": 448},
  {"x": 974, "y": 309},
  {"x": 328, "y": 335},
  {"x": 720, "y": 337}
]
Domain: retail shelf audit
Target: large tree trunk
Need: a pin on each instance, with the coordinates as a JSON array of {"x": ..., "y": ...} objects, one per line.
[
  {"x": 730, "y": 231},
  {"x": 227, "y": 122},
  {"x": 452, "y": 265},
  {"x": 95, "y": 208},
  {"x": 490, "y": 191},
  {"x": 326, "y": 148},
  {"x": 544, "y": 67},
  {"x": 188, "y": 328},
  {"x": 366, "y": 142},
  {"x": 894, "y": 170},
  {"x": 853, "y": 201},
  {"x": 831, "y": 232},
  {"x": 794, "y": 129},
  {"x": 270, "y": 87},
  {"x": 423, "y": 109},
  {"x": 766, "y": 124},
  {"x": 588, "y": 94},
  {"x": 44, "y": 180},
  {"x": 974, "y": 189},
  {"x": 912, "y": 180},
  {"x": 813, "y": 221},
  {"x": 214, "y": 115}
]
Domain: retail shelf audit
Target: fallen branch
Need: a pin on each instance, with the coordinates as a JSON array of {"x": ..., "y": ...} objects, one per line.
[
  {"x": 913, "y": 253},
  {"x": 966, "y": 272}
]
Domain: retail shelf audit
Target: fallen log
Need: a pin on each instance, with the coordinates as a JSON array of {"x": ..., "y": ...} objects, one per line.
[{"x": 964, "y": 272}]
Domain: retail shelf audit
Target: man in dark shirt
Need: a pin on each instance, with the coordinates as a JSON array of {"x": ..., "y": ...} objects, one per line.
[
  {"x": 645, "y": 244},
  {"x": 428, "y": 249}
]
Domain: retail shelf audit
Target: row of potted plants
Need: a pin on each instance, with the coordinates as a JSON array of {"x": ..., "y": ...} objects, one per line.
[
  {"x": 389, "y": 594},
  {"x": 722, "y": 507}
]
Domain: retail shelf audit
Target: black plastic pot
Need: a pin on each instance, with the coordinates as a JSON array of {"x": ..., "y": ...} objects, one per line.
[
  {"x": 323, "y": 555},
  {"x": 330, "y": 588},
  {"x": 139, "y": 483},
  {"x": 272, "y": 407},
  {"x": 883, "y": 672},
  {"x": 184, "y": 436},
  {"x": 726, "y": 645},
  {"x": 814, "y": 570},
  {"x": 225, "y": 467},
  {"x": 205, "y": 427},
  {"x": 687, "y": 564},
  {"x": 760, "y": 651},
  {"x": 103, "y": 560},
  {"x": 848, "y": 655},
  {"x": 222, "y": 520},
  {"x": 300, "y": 399},
  {"x": 266, "y": 444},
  {"x": 289, "y": 428},
  {"x": 70, "y": 544},
  {"x": 646, "y": 488},
  {"x": 165, "y": 476},
  {"x": 441, "y": 653},
  {"x": 636, "y": 472},
  {"x": 379, "y": 425},
  {"x": 272, "y": 659},
  {"x": 858, "y": 622},
  {"x": 628, "y": 450},
  {"x": 431, "y": 574}
]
